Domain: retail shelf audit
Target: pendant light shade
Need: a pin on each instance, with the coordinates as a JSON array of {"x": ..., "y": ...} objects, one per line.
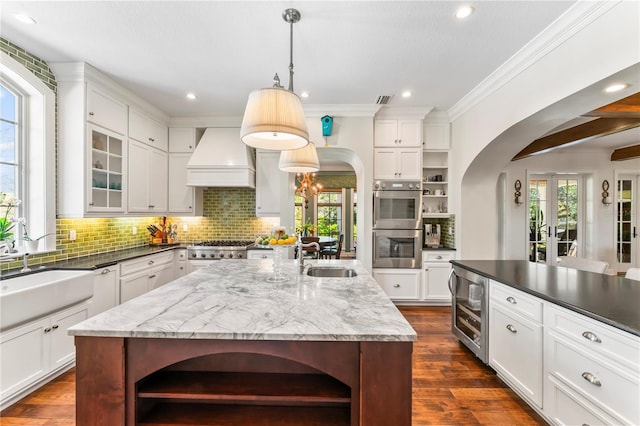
[
  {"x": 303, "y": 160},
  {"x": 274, "y": 120}
]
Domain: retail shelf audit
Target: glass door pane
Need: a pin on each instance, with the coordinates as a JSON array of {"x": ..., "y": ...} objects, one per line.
[
  {"x": 537, "y": 224},
  {"x": 626, "y": 223},
  {"x": 566, "y": 229}
]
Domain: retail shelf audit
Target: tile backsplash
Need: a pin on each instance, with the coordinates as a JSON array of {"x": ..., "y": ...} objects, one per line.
[
  {"x": 228, "y": 213},
  {"x": 446, "y": 239}
]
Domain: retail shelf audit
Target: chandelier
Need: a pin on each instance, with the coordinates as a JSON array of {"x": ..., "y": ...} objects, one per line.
[{"x": 307, "y": 187}]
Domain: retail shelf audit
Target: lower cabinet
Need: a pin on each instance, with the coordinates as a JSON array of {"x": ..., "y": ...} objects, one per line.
[
  {"x": 515, "y": 343},
  {"x": 181, "y": 263},
  {"x": 436, "y": 267},
  {"x": 36, "y": 350},
  {"x": 144, "y": 274},
  {"x": 106, "y": 290},
  {"x": 260, "y": 254},
  {"x": 399, "y": 284}
]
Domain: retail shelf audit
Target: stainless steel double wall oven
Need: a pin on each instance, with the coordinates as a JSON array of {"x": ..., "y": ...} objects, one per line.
[{"x": 397, "y": 224}]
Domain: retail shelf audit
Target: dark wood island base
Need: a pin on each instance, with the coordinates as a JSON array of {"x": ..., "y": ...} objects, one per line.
[{"x": 164, "y": 381}]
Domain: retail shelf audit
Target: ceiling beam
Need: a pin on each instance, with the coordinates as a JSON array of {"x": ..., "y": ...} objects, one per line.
[
  {"x": 592, "y": 129},
  {"x": 628, "y": 107},
  {"x": 626, "y": 153}
]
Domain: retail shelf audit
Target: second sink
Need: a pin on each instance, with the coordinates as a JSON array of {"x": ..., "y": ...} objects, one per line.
[{"x": 331, "y": 272}]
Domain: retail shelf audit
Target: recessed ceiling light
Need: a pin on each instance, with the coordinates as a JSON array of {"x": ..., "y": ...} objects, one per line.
[
  {"x": 25, "y": 19},
  {"x": 304, "y": 94},
  {"x": 464, "y": 12},
  {"x": 406, "y": 94},
  {"x": 615, "y": 87},
  {"x": 191, "y": 96}
]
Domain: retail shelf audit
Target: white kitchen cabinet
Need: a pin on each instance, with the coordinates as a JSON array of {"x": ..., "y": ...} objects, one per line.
[
  {"x": 105, "y": 110},
  {"x": 268, "y": 179},
  {"x": 260, "y": 254},
  {"x": 148, "y": 179},
  {"x": 436, "y": 268},
  {"x": 594, "y": 364},
  {"x": 398, "y": 163},
  {"x": 147, "y": 130},
  {"x": 437, "y": 136},
  {"x": 399, "y": 284},
  {"x": 138, "y": 276},
  {"x": 106, "y": 290},
  {"x": 36, "y": 350},
  {"x": 183, "y": 200},
  {"x": 182, "y": 139},
  {"x": 515, "y": 340},
  {"x": 181, "y": 263},
  {"x": 106, "y": 171},
  {"x": 398, "y": 133}
]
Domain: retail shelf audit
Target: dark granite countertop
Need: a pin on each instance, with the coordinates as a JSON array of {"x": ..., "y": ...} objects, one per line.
[
  {"x": 95, "y": 261},
  {"x": 610, "y": 299}
]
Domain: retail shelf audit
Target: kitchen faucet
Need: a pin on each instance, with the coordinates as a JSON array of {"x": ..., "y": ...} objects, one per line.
[{"x": 299, "y": 247}]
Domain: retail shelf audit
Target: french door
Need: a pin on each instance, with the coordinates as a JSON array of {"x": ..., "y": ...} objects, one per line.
[
  {"x": 554, "y": 217},
  {"x": 627, "y": 241}
]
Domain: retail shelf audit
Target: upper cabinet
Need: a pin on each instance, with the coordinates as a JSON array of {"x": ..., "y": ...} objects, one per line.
[
  {"x": 105, "y": 111},
  {"x": 437, "y": 136},
  {"x": 147, "y": 130},
  {"x": 148, "y": 179},
  {"x": 182, "y": 139},
  {"x": 397, "y": 163},
  {"x": 268, "y": 187},
  {"x": 107, "y": 174},
  {"x": 183, "y": 200},
  {"x": 398, "y": 133}
]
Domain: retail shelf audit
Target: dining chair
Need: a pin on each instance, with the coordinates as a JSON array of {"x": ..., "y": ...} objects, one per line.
[
  {"x": 583, "y": 264},
  {"x": 310, "y": 252},
  {"x": 633, "y": 274},
  {"x": 330, "y": 252}
]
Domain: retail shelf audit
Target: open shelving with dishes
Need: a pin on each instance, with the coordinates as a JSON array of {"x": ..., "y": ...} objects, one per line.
[
  {"x": 106, "y": 170},
  {"x": 435, "y": 186}
]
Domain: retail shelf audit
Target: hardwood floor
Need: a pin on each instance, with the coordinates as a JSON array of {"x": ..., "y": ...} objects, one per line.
[{"x": 450, "y": 386}]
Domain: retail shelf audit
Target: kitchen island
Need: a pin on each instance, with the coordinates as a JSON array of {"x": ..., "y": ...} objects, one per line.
[{"x": 223, "y": 345}]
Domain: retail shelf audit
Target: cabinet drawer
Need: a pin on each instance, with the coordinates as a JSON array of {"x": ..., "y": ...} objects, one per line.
[
  {"x": 135, "y": 265},
  {"x": 516, "y": 301},
  {"x": 565, "y": 407},
  {"x": 438, "y": 256},
  {"x": 590, "y": 334},
  {"x": 598, "y": 379},
  {"x": 398, "y": 285}
]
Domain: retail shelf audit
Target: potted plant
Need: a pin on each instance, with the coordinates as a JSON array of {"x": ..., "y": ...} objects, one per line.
[{"x": 8, "y": 203}]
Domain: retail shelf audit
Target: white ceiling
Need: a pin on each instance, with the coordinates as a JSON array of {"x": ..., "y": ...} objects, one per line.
[{"x": 345, "y": 52}]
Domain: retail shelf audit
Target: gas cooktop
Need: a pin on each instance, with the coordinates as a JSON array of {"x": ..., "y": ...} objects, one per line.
[
  {"x": 218, "y": 249},
  {"x": 224, "y": 243}
]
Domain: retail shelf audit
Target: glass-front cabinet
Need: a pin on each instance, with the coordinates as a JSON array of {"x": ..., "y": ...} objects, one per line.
[{"x": 105, "y": 171}]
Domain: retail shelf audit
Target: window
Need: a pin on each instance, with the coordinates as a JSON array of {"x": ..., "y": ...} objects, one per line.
[
  {"x": 329, "y": 213},
  {"x": 27, "y": 157}
]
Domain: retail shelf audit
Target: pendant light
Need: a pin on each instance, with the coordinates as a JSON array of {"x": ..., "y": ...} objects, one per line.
[
  {"x": 302, "y": 160},
  {"x": 274, "y": 117}
]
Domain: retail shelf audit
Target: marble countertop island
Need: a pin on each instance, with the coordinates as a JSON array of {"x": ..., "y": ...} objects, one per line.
[{"x": 233, "y": 299}]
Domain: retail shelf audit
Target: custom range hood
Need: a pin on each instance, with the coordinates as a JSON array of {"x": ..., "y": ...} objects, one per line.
[{"x": 221, "y": 159}]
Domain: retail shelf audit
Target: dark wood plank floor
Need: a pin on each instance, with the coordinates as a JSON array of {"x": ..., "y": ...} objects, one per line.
[{"x": 450, "y": 386}]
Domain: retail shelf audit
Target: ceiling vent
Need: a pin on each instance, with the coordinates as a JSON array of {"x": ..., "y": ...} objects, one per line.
[{"x": 384, "y": 99}]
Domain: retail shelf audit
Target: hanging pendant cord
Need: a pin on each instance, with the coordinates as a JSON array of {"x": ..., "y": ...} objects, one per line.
[{"x": 291, "y": 56}]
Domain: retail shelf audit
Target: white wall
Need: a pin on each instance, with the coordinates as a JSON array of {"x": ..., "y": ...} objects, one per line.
[{"x": 565, "y": 80}]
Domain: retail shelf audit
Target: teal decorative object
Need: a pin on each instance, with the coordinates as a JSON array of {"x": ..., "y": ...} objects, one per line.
[{"x": 327, "y": 125}]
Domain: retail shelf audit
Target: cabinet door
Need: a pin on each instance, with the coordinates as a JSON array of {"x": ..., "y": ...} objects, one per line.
[
  {"x": 159, "y": 135},
  {"x": 399, "y": 284},
  {"x": 385, "y": 133},
  {"x": 437, "y": 136},
  {"x": 267, "y": 183},
  {"x": 182, "y": 139},
  {"x": 139, "y": 126},
  {"x": 410, "y": 133},
  {"x": 138, "y": 181},
  {"x": 161, "y": 275},
  {"x": 105, "y": 290},
  {"x": 133, "y": 286},
  {"x": 63, "y": 349},
  {"x": 515, "y": 351},
  {"x": 436, "y": 282},
  {"x": 260, "y": 254},
  {"x": 409, "y": 163},
  {"x": 106, "y": 111},
  {"x": 105, "y": 186},
  {"x": 385, "y": 163},
  {"x": 181, "y": 196},
  {"x": 158, "y": 180},
  {"x": 25, "y": 357}
]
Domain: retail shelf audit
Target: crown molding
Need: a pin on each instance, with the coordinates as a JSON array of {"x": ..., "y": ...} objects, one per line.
[
  {"x": 416, "y": 113},
  {"x": 575, "y": 19},
  {"x": 340, "y": 110}
]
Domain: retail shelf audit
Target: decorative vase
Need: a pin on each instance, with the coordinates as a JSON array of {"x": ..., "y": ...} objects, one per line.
[
  {"x": 279, "y": 252},
  {"x": 31, "y": 246}
]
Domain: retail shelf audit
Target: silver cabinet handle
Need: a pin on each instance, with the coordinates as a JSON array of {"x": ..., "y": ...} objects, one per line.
[
  {"x": 451, "y": 275},
  {"x": 152, "y": 276},
  {"x": 105, "y": 271},
  {"x": 151, "y": 206},
  {"x": 511, "y": 300},
  {"x": 90, "y": 113},
  {"x": 438, "y": 257},
  {"x": 150, "y": 262},
  {"x": 264, "y": 256},
  {"x": 396, "y": 285},
  {"x": 591, "y": 336},
  {"x": 47, "y": 330},
  {"x": 511, "y": 328},
  {"x": 591, "y": 378},
  {"x": 55, "y": 327}
]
